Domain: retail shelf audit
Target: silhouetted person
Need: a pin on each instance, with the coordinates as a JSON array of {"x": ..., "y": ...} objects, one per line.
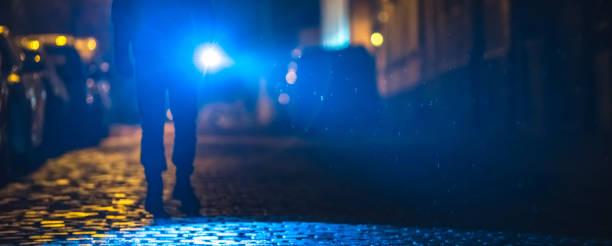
[{"x": 160, "y": 35}]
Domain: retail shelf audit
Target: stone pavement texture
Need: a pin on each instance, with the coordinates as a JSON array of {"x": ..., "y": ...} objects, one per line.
[{"x": 253, "y": 190}]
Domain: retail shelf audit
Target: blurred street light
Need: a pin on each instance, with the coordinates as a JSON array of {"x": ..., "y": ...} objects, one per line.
[
  {"x": 13, "y": 78},
  {"x": 92, "y": 44},
  {"x": 33, "y": 45},
  {"x": 61, "y": 40},
  {"x": 210, "y": 58},
  {"x": 377, "y": 39}
]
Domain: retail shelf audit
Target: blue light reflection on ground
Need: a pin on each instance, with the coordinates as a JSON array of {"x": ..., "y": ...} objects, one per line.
[{"x": 229, "y": 231}]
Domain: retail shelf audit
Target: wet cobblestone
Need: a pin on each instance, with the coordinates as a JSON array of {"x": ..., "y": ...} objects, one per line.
[
  {"x": 229, "y": 231},
  {"x": 95, "y": 196}
]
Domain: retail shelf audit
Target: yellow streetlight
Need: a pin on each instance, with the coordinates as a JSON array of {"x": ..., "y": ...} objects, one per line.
[
  {"x": 91, "y": 44},
  {"x": 13, "y": 78},
  {"x": 61, "y": 40},
  {"x": 377, "y": 39},
  {"x": 34, "y": 45}
]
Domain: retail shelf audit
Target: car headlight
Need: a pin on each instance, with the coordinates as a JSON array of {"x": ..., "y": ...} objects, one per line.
[{"x": 210, "y": 58}]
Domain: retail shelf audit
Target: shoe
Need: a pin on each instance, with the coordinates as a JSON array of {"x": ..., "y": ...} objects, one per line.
[
  {"x": 155, "y": 206},
  {"x": 158, "y": 211},
  {"x": 154, "y": 203},
  {"x": 190, "y": 204}
]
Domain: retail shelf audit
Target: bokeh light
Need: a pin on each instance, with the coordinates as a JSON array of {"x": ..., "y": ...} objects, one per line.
[
  {"x": 377, "y": 39},
  {"x": 13, "y": 78},
  {"x": 291, "y": 77},
  {"x": 284, "y": 98},
  {"x": 92, "y": 44},
  {"x": 61, "y": 40},
  {"x": 210, "y": 58},
  {"x": 33, "y": 45}
]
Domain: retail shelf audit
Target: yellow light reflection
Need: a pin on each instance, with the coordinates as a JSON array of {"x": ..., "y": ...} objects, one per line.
[
  {"x": 124, "y": 202},
  {"x": 107, "y": 208},
  {"x": 377, "y": 39},
  {"x": 53, "y": 225},
  {"x": 123, "y": 224},
  {"x": 46, "y": 222},
  {"x": 114, "y": 207},
  {"x": 120, "y": 195},
  {"x": 61, "y": 40},
  {"x": 40, "y": 237},
  {"x": 72, "y": 215},
  {"x": 116, "y": 217}
]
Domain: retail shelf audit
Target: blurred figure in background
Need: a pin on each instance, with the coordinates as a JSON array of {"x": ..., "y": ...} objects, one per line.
[{"x": 160, "y": 36}]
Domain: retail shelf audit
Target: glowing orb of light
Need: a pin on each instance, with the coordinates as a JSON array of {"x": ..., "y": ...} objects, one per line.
[
  {"x": 211, "y": 58},
  {"x": 377, "y": 39},
  {"x": 61, "y": 40}
]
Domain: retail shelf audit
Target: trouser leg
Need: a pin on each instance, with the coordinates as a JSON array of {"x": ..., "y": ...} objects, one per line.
[
  {"x": 183, "y": 103},
  {"x": 151, "y": 101}
]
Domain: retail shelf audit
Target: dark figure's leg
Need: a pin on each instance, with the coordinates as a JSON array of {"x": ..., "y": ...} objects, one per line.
[
  {"x": 151, "y": 100},
  {"x": 183, "y": 103}
]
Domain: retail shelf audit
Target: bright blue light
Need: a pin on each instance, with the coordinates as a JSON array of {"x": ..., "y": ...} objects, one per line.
[
  {"x": 210, "y": 58},
  {"x": 335, "y": 26}
]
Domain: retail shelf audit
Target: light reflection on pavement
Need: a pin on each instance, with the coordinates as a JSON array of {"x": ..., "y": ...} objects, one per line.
[
  {"x": 96, "y": 196},
  {"x": 232, "y": 231},
  {"x": 86, "y": 192}
]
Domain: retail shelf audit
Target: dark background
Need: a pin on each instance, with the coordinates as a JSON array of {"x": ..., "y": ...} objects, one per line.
[{"x": 506, "y": 122}]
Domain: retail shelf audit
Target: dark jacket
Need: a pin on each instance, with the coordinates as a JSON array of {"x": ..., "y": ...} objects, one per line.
[{"x": 154, "y": 25}]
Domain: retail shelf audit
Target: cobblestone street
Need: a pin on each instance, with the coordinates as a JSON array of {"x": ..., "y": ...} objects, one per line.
[{"x": 253, "y": 190}]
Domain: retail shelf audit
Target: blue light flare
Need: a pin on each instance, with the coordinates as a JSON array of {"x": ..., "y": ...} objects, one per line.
[{"x": 210, "y": 58}]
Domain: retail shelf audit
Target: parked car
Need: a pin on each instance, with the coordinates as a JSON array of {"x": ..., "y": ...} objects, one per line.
[
  {"x": 8, "y": 64},
  {"x": 333, "y": 92},
  {"x": 23, "y": 107},
  {"x": 48, "y": 103},
  {"x": 57, "y": 102},
  {"x": 67, "y": 56}
]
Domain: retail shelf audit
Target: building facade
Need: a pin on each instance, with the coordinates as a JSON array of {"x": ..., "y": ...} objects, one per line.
[{"x": 540, "y": 67}]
